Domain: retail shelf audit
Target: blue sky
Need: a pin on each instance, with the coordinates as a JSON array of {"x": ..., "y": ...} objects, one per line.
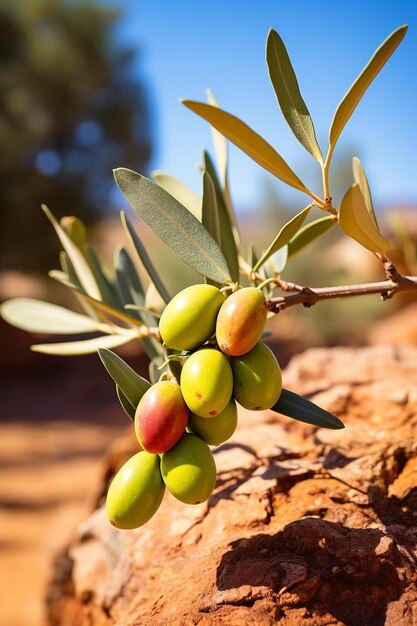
[{"x": 189, "y": 46}]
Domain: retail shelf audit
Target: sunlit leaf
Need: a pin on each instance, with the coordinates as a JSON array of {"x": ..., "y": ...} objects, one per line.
[
  {"x": 210, "y": 212},
  {"x": 309, "y": 233},
  {"x": 288, "y": 94},
  {"x": 127, "y": 281},
  {"x": 185, "y": 196},
  {"x": 174, "y": 224},
  {"x": 42, "y": 317},
  {"x": 130, "y": 383},
  {"x": 87, "y": 346},
  {"x": 277, "y": 262},
  {"x": 247, "y": 140},
  {"x": 228, "y": 227},
  {"x": 101, "y": 307},
  {"x": 361, "y": 84},
  {"x": 285, "y": 234},
  {"x": 143, "y": 256},
  {"x": 128, "y": 408},
  {"x": 297, "y": 407},
  {"x": 77, "y": 258},
  {"x": 356, "y": 222},
  {"x": 360, "y": 178},
  {"x": 107, "y": 289},
  {"x": 75, "y": 229}
]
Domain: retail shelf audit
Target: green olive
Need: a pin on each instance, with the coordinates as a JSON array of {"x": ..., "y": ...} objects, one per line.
[
  {"x": 189, "y": 470},
  {"x": 215, "y": 430},
  {"x": 257, "y": 381},
  {"x": 190, "y": 318},
  {"x": 207, "y": 382},
  {"x": 135, "y": 492}
]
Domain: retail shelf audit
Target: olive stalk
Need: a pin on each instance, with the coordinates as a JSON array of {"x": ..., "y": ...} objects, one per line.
[{"x": 307, "y": 296}]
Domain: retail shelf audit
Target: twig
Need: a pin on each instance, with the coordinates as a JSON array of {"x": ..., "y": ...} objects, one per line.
[{"x": 310, "y": 295}]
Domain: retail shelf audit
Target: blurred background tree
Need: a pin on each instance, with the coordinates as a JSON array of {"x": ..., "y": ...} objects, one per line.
[{"x": 71, "y": 109}]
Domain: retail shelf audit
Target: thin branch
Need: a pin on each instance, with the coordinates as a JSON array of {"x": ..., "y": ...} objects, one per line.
[{"x": 309, "y": 295}]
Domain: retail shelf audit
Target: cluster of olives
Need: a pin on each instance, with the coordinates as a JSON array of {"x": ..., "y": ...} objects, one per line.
[{"x": 176, "y": 422}]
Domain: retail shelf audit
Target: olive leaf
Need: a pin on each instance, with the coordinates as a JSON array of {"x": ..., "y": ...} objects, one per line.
[
  {"x": 128, "y": 408},
  {"x": 229, "y": 232},
  {"x": 185, "y": 196},
  {"x": 42, "y": 317},
  {"x": 247, "y": 140},
  {"x": 284, "y": 235},
  {"x": 174, "y": 224},
  {"x": 130, "y": 383},
  {"x": 107, "y": 289},
  {"x": 356, "y": 222},
  {"x": 81, "y": 267},
  {"x": 361, "y": 84},
  {"x": 288, "y": 94},
  {"x": 309, "y": 233},
  {"x": 360, "y": 178},
  {"x": 88, "y": 346},
  {"x": 301, "y": 409},
  {"x": 105, "y": 310},
  {"x": 210, "y": 212},
  {"x": 144, "y": 257},
  {"x": 278, "y": 260}
]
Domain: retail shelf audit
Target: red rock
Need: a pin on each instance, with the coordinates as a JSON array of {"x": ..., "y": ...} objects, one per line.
[{"x": 306, "y": 526}]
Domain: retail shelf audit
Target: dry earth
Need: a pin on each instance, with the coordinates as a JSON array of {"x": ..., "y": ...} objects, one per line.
[{"x": 305, "y": 526}]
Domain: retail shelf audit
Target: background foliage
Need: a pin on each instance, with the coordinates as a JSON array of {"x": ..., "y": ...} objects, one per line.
[{"x": 71, "y": 109}]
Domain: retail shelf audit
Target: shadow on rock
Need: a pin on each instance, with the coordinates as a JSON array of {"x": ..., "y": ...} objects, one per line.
[{"x": 335, "y": 573}]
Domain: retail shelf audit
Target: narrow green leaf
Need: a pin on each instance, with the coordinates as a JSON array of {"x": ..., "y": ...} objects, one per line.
[
  {"x": 229, "y": 232},
  {"x": 97, "y": 305},
  {"x": 128, "y": 284},
  {"x": 247, "y": 140},
  {"x": 308, "y": 233},
  {"x": 185, "y": 196},
  {"x": 130, "y": 383},
  {"x": 210, "y": 211},
  {"x": 361, "y": 84},
  {"x": 36, "y": 316},
  {"x": 81, "y": 266},
  {"x": 143, "y": 256},
  {"x": 108, "y": 291},
  {"x": 154, "y": 368},
  {"x": 360, "y": 178},
  {"x": 220, "y": 144},
  {"x": 128, "y": 408},
  {"x": 297, "y": 407},
  {"x": 88, "y": 346},
  {"x": 174, "y": 224},
  {"x": 288, "y": 94},
  {"x": 356, "y": 222},
  {"x": 277, "y": 262},
  {"x": 285, "y": 234}
]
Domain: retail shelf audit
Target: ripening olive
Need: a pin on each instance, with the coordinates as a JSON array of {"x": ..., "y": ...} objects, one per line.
[
  {"x": 136, "y": 491},
  {"x": 218, "y": 429},
  {"x": 189, "y": 470},
  {"x": 190, "y": 318},
  {"x": 206, "y": 382},
  {"x": 161, "y": 417},
  {"x": 241, "y": 321},
  {"x": 257, "y": 382}
]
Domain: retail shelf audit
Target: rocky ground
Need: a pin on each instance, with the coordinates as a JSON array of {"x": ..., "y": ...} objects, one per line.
[{"x": 306, "y": 526}]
